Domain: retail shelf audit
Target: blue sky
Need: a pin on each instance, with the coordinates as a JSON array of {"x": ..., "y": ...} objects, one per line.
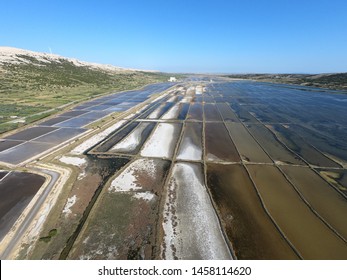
[{"x": 232, "y": 36}]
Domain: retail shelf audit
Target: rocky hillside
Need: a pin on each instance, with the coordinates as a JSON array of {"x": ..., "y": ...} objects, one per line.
[
  {"x": 9, "y": 55},
  {"x": 32, "y": 83},
  {"x": 27, "y": 70}
]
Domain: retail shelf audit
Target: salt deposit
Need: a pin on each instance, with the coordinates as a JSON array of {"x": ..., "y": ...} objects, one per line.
[
  {"x": 127, "y": 180},
  {"x": 190, "y": 223},
  {"x": 80, "y": 149},
  {"x": 70, "y": 202},
  {"x": 162, "y": 141},
  {"x": 76, "y": 161}
]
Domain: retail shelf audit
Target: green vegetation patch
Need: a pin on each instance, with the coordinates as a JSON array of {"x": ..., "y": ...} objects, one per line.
[
  {"x": 30, "y": 88},
  {"x": 336, "y": 81},
  {"x": 51, "y": 234}
]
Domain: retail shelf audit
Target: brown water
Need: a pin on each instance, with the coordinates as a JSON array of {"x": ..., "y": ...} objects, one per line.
[
  {"x": 338, "y": 178},
  {"x": 218, "y": 145},
  {"x": 248, "y": 148},
  {"x": 323, "y": 198},
  {"x": 272, "y": 146},
  {"x": 308, "y": 234},
  {"x": 211, "y": 113},
  {"x": 227, "y": 113},
  {"x": 297, "y": 144},
  {"x": 248, "y": 227}
]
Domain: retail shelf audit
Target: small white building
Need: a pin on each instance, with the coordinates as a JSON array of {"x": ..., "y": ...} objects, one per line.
[{"x": 172, "y": 79}]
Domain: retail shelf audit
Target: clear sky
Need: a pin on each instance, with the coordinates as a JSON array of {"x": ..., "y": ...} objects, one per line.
[{"x": 235, "y": 36}]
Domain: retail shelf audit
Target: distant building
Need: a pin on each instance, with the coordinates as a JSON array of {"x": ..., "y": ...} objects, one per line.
[{"x": 172, "y": 79}]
